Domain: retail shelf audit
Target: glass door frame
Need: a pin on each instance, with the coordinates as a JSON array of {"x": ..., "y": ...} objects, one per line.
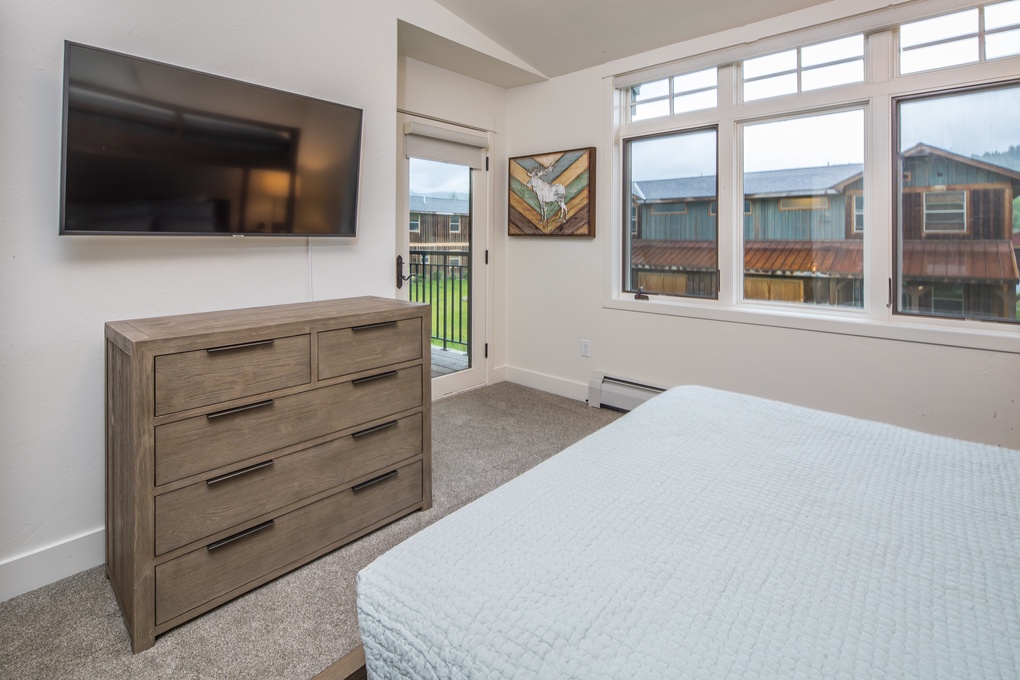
[{"x": 480, "y": 285}]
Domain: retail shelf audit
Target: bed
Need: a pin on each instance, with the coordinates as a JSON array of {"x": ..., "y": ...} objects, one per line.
[{"x": 715, "y": 535}]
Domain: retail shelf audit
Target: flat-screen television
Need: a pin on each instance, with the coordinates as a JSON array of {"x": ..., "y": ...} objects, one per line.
[{"x": 150, "y": 148}]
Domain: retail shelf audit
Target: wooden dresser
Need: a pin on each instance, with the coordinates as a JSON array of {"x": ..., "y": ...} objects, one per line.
[{"x": 245, "y": 443}]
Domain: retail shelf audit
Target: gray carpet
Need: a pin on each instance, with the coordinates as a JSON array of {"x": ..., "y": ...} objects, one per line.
[{"x": 300, "y": 623}]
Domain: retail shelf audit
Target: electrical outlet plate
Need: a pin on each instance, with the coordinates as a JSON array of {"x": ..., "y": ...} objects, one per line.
[{"x": 586, "y": 348}]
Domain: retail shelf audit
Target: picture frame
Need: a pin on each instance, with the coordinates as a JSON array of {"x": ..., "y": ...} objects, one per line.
[{"x": 552, "y": 194}]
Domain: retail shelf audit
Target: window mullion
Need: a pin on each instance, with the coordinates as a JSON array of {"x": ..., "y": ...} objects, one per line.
[
  {"x": 730, "y": 247},
  {"x": 981, "y": 34}
]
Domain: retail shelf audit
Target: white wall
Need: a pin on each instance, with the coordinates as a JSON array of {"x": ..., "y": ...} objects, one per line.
[
  {"x": 555, "y": 292},
  {"x": 57, "y": 292}
]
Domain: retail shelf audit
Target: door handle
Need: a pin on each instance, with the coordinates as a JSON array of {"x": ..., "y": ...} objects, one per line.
[{"x": 400, "y": 272}]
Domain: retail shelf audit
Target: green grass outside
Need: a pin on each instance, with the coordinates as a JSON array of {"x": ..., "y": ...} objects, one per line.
[{"x": 448, "y": 320}]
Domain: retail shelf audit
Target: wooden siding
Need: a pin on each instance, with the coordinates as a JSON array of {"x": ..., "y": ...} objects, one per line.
[
  {"x": 435, "y": 228},
  {"x": 767, "y": 222},
  {"x": 934, "y": 170},
  {"x": 989, "y": 214},
  {"x": 690, "y": 284},
  {"x": 666, "y": 222},
  {"x": 980, "y": 301}
]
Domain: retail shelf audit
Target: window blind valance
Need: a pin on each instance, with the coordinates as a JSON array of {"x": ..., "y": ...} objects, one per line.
[{"x": 447, "y": 146}]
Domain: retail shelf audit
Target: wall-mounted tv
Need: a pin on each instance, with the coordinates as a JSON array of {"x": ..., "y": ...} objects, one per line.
[{"x": 151, "y": 148}]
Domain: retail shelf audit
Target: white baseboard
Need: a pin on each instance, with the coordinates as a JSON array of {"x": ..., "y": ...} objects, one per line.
[
  {"x": 22, "y": 573},
  {"x": 497, "y": 375},
  {"x": 548, "y": 383}
]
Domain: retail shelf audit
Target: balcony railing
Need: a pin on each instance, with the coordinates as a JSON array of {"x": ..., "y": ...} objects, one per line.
[{"x": 442, "y": 278}]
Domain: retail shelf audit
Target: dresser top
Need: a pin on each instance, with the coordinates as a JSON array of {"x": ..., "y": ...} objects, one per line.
[{"x": 168, "y": 327}]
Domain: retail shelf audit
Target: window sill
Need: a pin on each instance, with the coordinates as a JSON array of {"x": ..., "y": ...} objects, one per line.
[{"x": 980, "y": 335}]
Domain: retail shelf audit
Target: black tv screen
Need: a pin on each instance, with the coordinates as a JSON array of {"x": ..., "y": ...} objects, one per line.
[{"x": 150, "y": 148}]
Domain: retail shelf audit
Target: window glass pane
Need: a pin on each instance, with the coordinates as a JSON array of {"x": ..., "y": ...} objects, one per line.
[
  {"x": 770, "y": 87},
  {"x": 1002, "y": 44},
  {"x": 671, "y": 239},
  {"x": 959, "y": 161},
  {"x": 650, "y": 110},
  {"x": 830, "y": 76},
  {"x": 796, "y": 175},
  {"x": 834, "y": 50},
  {"x": 773, "y": 63},
  {"x": 695, "y": 102},
  {"x": 939, "y": 56},
  {"x": 653, "y": 90},
  {"x": 939, "y": 28},
  {"x": 1002, "y": 14},
  {"x": 696, "y": 81}
]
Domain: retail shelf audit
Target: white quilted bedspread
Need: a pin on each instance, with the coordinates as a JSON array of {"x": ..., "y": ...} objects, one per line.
[{"x": 716, "y": 535}]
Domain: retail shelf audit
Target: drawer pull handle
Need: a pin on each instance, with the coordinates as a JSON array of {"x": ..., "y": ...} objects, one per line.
[
  {"x": 370, "y": 326},
  {"x": 239, "y": 409},
  {"x": 375, "y": 480},
  {"x": 370, "y": 378},
  {"x": 239, "y": 535},
  {"x": 243, "y": 345},
  {"x": 238, "y": 473},
  {"x": 370, "y": 430}
]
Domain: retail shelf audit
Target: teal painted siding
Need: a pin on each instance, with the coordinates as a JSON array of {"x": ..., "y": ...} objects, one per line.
[
  {"x": 665, "y": 222},
  {"x": 767, "y": 222},
  {"x": 927, "y": 171}
]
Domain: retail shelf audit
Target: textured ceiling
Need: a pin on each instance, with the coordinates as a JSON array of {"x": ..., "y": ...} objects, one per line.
[{"x": 562, "y": 36}]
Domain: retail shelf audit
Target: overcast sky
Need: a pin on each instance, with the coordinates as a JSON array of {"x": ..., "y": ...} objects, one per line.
[
  {"x": 439, "y": 179},
  {"x": 970, "y": 124}
]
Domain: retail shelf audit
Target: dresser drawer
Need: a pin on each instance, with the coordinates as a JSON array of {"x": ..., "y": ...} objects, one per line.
[
  {"x": 202, "y": 509},
  {"x": 209, "y": 376},
  {"x": 202, "y": 443},
  {"x": 197, "y": 577},
  {"x": 361, "y": 348}
]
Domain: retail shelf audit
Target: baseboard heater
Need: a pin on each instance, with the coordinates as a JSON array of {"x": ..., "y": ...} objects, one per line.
[{"x": 618, "y": 394}]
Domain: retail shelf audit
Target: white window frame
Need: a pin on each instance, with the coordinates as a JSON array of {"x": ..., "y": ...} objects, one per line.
[
  {"x": 672, "y": 95},
  {"x": 882, "y": 84},
  {"x": 799, "y": 69},
  {"x": 414, "y": 225},
  {"x": 857, "y": 212},
  {"x": 980, "y": 35},
  {"x": 454, "y": 220},
  {"x": 713, "y": 208}
]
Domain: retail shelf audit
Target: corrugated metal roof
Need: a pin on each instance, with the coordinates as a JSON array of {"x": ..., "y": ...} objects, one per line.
[
  {"x": 948, "y": 260},
  {"x": 676, "y": 255},
  {"x": 445, "y": 206},
  {"x": 790, "y": 182},
  {"x": 838, "y": 259},
  {"x": 968, "y": 261}
]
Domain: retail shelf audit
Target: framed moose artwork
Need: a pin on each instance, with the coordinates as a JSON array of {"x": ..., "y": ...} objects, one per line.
[{"x": 552, "y": 194}]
